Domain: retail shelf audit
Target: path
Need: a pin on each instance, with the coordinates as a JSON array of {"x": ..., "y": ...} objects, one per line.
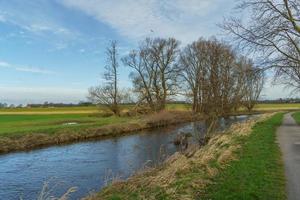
[{"x": 288, "y": 135}]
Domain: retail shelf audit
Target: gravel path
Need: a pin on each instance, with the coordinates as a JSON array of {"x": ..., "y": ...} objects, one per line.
[{"x": 288, "y": 135}]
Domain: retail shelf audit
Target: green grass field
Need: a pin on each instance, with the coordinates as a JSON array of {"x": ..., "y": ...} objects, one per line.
[{"x": 14, "y": 125}]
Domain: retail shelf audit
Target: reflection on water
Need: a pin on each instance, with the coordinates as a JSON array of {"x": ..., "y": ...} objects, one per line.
[{"x": 88, "y": 165}]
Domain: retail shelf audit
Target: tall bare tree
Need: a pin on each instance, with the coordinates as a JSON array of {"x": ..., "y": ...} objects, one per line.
[
  {"x": 273, "y": 31},
  {"x": 154, "y": 73},
  {"x": 108, "y": 94},
  {"x": 192, "y": 71},
  {"x": 254, "y": 82}
]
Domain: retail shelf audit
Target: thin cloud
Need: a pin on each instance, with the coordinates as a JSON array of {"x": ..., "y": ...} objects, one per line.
[
  {"x": 35, "y": 21},
  {"x": 185, "y": 20},
  {"x": 4, "y": 64},
  {"x": 35, "y": 70}
]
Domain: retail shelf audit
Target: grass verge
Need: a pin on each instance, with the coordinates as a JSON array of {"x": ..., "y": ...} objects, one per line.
[
  {"x": 244, "y": 163},
  {"x": 296, "y": 116}
]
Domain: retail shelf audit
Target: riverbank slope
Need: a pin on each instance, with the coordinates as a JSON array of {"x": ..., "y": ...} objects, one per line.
[{"x": 244, "y": 163}]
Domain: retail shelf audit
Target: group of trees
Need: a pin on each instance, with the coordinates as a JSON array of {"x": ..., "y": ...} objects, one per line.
[
  {"x": 208, "y": 72},
  {"x": 218, "y": 80}
]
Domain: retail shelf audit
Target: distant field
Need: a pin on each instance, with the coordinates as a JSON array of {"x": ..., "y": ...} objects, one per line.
[
  {"x": 94, "y": 109},
  {"x": 284, "y": 106},
  {"x": 60, "y": 110},
  {"x": 76, "y": 110},
  {"x": 18, "y": 121}
]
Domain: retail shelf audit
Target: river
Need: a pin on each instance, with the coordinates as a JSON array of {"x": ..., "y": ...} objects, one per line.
[{"x": 89, "y": 166}]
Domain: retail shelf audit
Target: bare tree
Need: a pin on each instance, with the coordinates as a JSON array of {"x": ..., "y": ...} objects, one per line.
[
  {"x": 192, "y": 72},
  {"x": 273, "y": 31},
  {"x": 154, "y": 73},
  {"x": 108, "y": 94},
  {"x": 254, "y": 82}
]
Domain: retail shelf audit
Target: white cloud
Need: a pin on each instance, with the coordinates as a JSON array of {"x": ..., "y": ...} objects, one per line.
[
  {"x": 185, "y": 20},
  {"x": 36, "y": 70},
  {"x": 4, "y": 64}
]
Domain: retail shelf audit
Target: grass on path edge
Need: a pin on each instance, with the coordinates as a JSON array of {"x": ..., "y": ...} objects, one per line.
[
  {"x": 258, "y": 172},
  {"x": 296, "y": 117}
]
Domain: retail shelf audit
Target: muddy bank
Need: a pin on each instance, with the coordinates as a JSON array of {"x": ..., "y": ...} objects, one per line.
[{"x": 65, "y": 136}]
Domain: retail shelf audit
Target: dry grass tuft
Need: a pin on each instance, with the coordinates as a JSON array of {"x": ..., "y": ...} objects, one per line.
[
  {"x": 47, "y": 190},
  {"x": 164, "y": 118}
]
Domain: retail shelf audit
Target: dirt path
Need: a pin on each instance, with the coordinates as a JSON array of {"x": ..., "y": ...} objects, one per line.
[{"x": 288, "y": 135}]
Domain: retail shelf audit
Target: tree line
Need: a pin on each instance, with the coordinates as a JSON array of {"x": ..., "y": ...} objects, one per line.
[{"x": 207, "y": 73}]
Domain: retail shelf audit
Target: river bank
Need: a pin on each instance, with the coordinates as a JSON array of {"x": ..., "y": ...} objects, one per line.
[
  {"x": 33, "y": 140},
  {"x": 195, "y": 176}
]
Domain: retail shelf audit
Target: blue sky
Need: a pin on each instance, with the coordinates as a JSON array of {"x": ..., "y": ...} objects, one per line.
[{"x": 54, "y": 50}]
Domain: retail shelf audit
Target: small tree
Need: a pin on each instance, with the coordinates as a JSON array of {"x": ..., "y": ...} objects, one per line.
[{"x": 108, "y": 93}]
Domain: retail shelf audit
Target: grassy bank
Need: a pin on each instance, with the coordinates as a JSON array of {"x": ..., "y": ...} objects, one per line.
[
  {"x": 244, "y": 163},
  {"x": 258, "y": 172},
  {"x": 25, "y": 132}
]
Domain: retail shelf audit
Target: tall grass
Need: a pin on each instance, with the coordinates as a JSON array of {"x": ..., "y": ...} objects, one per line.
[{"x": 48, "y": 190}]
